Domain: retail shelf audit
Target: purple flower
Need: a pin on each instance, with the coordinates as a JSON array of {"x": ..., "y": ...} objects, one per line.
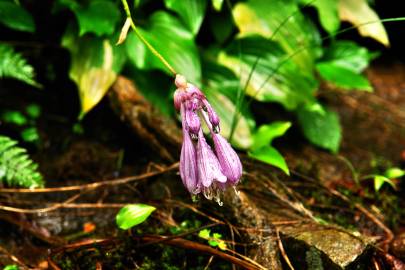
[{"x": 201, "y": 169}]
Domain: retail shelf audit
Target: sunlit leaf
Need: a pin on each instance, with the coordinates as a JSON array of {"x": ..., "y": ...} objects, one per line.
[
  {"x": 14, "y": 117},
  {"x": 379, "y": 181},
  {"x": 282, "y": 21},
  {"x": 190, "y": 11},
  {"x": 274, "y": 78},
  {"x": 266, "y": 133},
  {"x": 133, "y": 214},
  {"x": 94, "y": 67},
  {"x": 172, "y": 40},
  {"x": 393, "y": 173},
  {"x": 15, "y": 16},
  {"x": 328, "y": 13},
  {"x": 217, "y": 4},
  {"x": 270, "y": 155},
  {"x": 321, "y": 129},
  {"x": 358, "y": 13},
  {"x": 11, "y": 267}
]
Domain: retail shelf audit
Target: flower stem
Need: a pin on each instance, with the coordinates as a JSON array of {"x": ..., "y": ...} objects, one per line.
[{"x": 150, "y": 47}]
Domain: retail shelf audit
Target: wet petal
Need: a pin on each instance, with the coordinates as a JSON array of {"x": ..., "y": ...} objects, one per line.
[
  {"x": 228, "y": 159},
  {"x": 208, "y": 166}
]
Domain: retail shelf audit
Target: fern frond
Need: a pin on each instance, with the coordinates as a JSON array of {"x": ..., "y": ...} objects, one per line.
[
  {"x": 14, "y": 65},
  {"x": 16, "y": 167}
]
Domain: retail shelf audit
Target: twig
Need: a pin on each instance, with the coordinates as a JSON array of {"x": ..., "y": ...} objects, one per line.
[
  {"x": 282, "y": 251},
  {"x": 13, "y": 258},
  {"x": 94, "y": 185}
]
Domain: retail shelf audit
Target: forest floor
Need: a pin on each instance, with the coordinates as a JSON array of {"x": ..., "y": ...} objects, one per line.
[{"x": 323, "y": 216}]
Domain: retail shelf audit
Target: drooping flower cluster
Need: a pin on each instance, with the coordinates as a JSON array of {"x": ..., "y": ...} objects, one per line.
[{"x": 202, "y": 170}]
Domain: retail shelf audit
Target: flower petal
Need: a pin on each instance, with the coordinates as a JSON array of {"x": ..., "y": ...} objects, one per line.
[{"x": 228, "y": 159}]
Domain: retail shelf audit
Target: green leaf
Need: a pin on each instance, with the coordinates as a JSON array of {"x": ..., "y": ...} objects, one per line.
[
  {"x": 358, "y": 13},
  {"x": 393, "y": 173},
  {"x": 94, "y": 66},
  {"x": 282, "y": 21},
  {"x": 97, "y": 16},
  {"x": 151, "y": 85},
  {"x": 133, "y": 214},
  {"x": 33, "y": 110},
  {"x": 347, "y": 54},
  {"x": 172, "y": 40},
  {"x": 321, "y": 129},
  {"x": 16, "y": 17},
  {"x": 266, "y": 133},
  {"x": 205, "y": 234},
  {"x": 190, "y": 11},
  {"x": 328, "y": 13},
  {"x": 270, "y": 155},
  {"x": 274, "y": 78},
  {"x": 11, "y": 267},
  {"x": 13, "y": 65},
  {"x": 221, "y": 86},
  {"x": 217, "y": 4},
  {"x": 379, "y": 181},
  {"x": 14, "y": 117},
  {"x": 343, "y": 77},
  {"x": 30, "y": 134}
]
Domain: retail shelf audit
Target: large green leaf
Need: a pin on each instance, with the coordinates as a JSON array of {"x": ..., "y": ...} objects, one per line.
[
  {"x": 94, "y": 66},
  {"x": 282, "y": 21},
  {"x": 15, "y": 17},
  {"x": 13, "y": 65},
  {"x": 328, "y": 13},
  {"x": 133, "y": 214},
  {"x": 320, "y": 127},
  {"x": 172, "y": 40},
  {"x": 221, "y": 86},
  {"x": 190, "y": 11},
  {"x": 270, "y": 155},
  {"x": 360, "y": 14},
  {"x": 96, "y": 16},
  {"x": 275, "y": 77}
]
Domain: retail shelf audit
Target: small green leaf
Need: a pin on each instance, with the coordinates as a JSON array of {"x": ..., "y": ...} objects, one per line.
[
  {"x": 270, "y": 155},
  {"x": 266, "y": 133},
  {"x": 327, "y": 13},
  {"x": 217, "y": 4},
  {"x": 11, "y": 267},
  {"x": 33, "y": 111},
  {"x": 172, "y": 40},
  {"x": 205, "y": 234},
  {"x": 393, "y": 173},
  {"x": 379, "y": 180},
  {"x": 30, "y": 134},
  {"x": 16, "y": 17},
  {"x": 190, "y": 11},
  {"x": 133, "y": 214},
  {"x": 343, "y": 77},
  {"x": 14, "y": 117},
  {"x": 321, "y": 129}
]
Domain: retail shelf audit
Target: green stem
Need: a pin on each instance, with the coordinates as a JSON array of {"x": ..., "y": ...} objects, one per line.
[{"x": 150, "y": 47}]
